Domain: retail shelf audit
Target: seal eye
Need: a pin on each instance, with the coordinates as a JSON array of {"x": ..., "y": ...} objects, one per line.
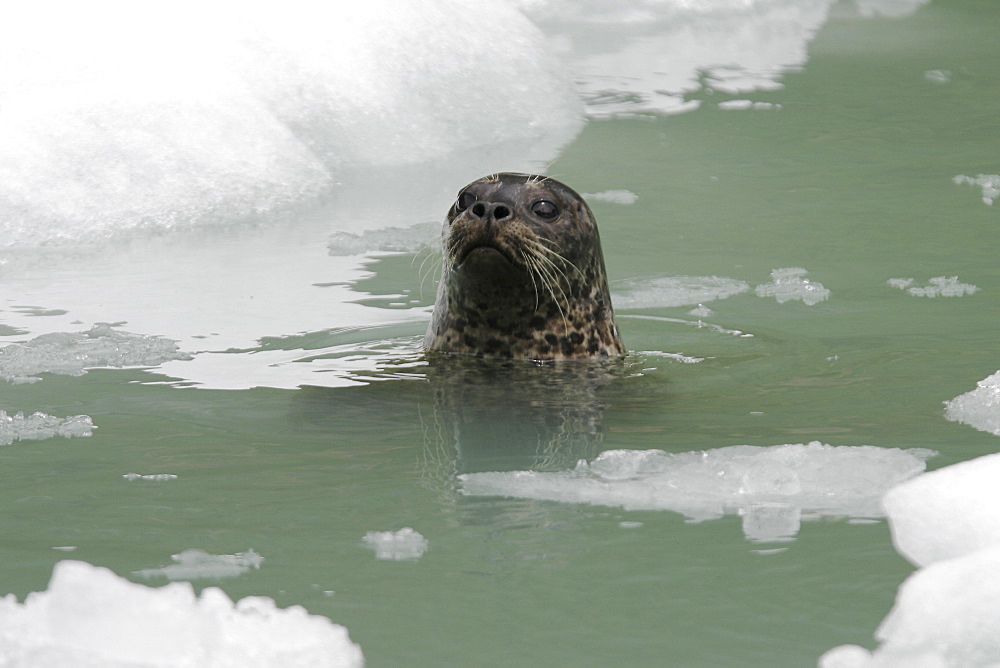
[
  {"x": 465, "y": 200},
  {"x": 545, "y": 209}
]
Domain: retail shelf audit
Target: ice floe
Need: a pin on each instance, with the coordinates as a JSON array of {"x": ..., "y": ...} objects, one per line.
[
  {"x": 772, "y": 488},
  {"x": 38, "y": 426},
  {"x": 674, "y": 291},
  {"x": 979, "y": 408},
  {"x": 403, "y": 545},
  {"x": 945, "y": 613},
  {"x": 72, "y": 353},
  {"x": 195, "y": 564},
  {"x": 91, "y": 618},
  {"x": 939, "y": 286},
  {"x": 263, "y": 108},
  {"x": 989, "y": 183},
  {"x": 790, "y": 284}
]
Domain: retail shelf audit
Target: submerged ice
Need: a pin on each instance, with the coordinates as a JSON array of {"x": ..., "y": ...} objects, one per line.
[
  {"x": 89, "y": 618},
  {"x": 772, "y": 488}
]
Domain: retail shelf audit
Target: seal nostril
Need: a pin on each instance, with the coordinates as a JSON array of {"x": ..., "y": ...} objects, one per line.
[
  {"x": 501, "y": 212},
  {"x": 479, "y": 209}
]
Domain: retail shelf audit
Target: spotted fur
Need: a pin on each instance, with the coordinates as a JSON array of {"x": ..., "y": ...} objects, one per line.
[{"x": 516, "y": 284}]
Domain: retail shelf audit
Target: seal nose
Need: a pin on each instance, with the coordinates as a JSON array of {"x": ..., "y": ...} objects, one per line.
[{"x": 490, "y": 211}]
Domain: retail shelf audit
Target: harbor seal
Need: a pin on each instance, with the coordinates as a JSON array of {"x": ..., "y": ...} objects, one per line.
[{"x": 522, "y": 275}]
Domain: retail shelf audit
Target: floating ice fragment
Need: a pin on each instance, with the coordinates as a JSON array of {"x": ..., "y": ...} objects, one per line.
[
  {"x": 674, "y": 291},
  {"x": 197, "y": 564},
  {"x": 385, "y": 240},
  {"x": 770, "y": 486},
  {"x": 403, "y": 545},
  {"x": 990, "y": 183},
  {"x": 90, "y": 617},
  {"x": 38, "y": 426},
  {"x": 701, "y": 311},
  {"x": 159, "y": 477},
  {"x": 901, "y": 283},
  {"x": 73, "y": 353},
  {"x": 790, "y": 283},
  {"x": 613, "y": 196},
  {"x": 979, "y": 408},
  {"x": 939, "y": 286}
]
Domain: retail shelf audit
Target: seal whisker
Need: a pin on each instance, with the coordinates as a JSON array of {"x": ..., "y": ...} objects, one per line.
[
  {"x": 537, "y": 245},
  {"x": 550, "y": 275}
]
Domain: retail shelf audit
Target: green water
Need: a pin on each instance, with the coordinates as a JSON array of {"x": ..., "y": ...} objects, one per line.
[{"x": 851, "y": 179}]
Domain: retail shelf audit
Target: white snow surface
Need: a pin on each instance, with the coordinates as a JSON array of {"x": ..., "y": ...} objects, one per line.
[
  {"x": 772, "y": 488},
  {"x": 91, "y": 618}
]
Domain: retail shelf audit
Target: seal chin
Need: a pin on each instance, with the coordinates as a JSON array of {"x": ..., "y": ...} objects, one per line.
[{"x": 486, "y": 253}]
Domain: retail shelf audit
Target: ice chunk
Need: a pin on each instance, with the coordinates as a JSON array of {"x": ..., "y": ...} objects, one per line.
[
  {"x": 769, "y": 486},
  {"x": 158, "y": 477},
  {"x": 979, "y": 408},
  {"x": 198, "y": 564},
  {"x": 948, "y": 512},
  {"x": 939, "y": 286},
  {"x": 263, "y": 108},
  {"x": 385, "y": 240},
  {"x": 38, "y": 426},
  {"x": 89, "y": 618},
  {"x": 403, "y": 545},
  {"x": 790, "y": 283},
  {"x": 614, "y": 196},
  {"x": 945, "y": 615},
  {"x": 73, "y": 353},
  {"x": 990, "y": 184},
  {"x": 674, "y": 291}
]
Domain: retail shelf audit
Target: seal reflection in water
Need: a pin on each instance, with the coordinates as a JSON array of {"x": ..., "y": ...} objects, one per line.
[{"x": 523, "y": 275}]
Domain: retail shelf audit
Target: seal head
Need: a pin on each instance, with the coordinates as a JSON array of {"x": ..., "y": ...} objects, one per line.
[{"x": 522, "y": 274}]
